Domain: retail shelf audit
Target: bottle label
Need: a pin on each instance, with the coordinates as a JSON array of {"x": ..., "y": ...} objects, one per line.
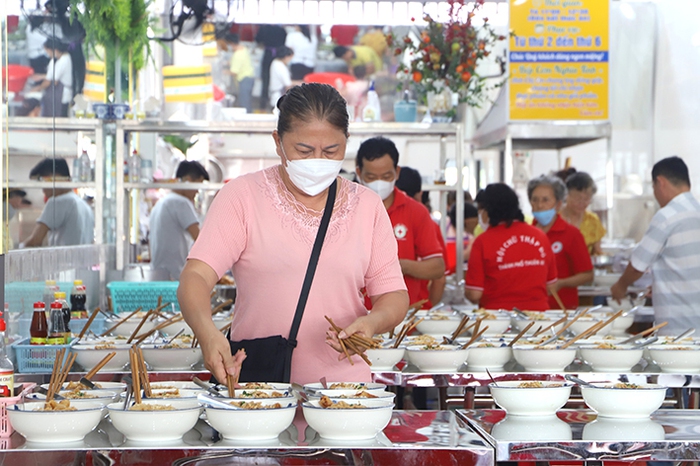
[
  {"x": 56, "y": 340},
  {"x": 37, "y": 341},
  {"x": 7, "y": 378}
]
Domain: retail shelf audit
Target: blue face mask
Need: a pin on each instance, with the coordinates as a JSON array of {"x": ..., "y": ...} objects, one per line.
[{"x": 544, "y": 217}]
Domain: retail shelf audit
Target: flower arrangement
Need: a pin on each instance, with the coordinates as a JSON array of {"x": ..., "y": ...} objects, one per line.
[{"x": 447, "y": 53}]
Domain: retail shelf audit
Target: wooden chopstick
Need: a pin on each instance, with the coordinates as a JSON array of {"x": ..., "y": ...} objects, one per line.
[
  {"x": 522, "y": 332},
  {"x": 54, "y": 374},
  {"x": 459, "y": 328},
  {"x": 570, "y": 323},
  {"x": 162, "y": 325},
  {"x": 593, "y": 329},
  {"x": 145, "y": 382},
  {"x": 138, "y": 327},
  {"x": 230, "y": 385},
  {"x": 221, "y": 306},
  {"x": 100, "y": 365},
  {"x": 554, "y": 324},
  {"x": 475, "y": 337},
  {"x": 651, "y": 329},
  {"x": 135, "y": 380},
  {"x": 89, "y": 322},
  {"x": 112, "y": 328},
  {"x": 556, "y": 297}
]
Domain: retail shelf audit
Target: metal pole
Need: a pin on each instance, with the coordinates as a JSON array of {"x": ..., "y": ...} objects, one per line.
[
  {"x": 120, "y": 238},
  {"x": 459, "y": 203},
  {"x": 609, "y": 186},
  {"x": 443, "y": 194}
]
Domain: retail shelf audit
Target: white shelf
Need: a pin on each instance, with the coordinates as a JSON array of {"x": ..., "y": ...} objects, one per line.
[
  {"x": 179, "y": 185},
  {"x": 52, "y": 184}
]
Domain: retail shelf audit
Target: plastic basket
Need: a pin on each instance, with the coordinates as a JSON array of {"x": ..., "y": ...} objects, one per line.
[
  {"x": 17, "y": 77},
  {"x": 5, "y": 426},
  {"x": 129, "y": 296},
  {"x": 76, "y": 325},
  {"x": 36, "y": 359},
  {"x": 21, "y": 296}
]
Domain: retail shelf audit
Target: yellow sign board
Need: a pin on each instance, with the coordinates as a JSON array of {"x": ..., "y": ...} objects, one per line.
[
  {"x": 187, "y": 83},
  {"x": 558, "y": 59},
  {"x": 95, "y": 82}
]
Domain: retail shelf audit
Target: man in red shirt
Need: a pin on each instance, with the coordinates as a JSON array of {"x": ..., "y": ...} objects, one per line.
[
  {"x": 574, "y": 266},
  {"x": 420, "y": 253}
]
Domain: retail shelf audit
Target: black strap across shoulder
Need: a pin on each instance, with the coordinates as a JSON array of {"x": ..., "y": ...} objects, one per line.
[{"x": 313, "y": 262}]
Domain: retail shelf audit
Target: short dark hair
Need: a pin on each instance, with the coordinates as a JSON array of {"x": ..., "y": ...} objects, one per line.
[
  {"x": 54, "y": 43},
  {"x": 580, "y": 181},
  {"x": 375, "y": 148},
  {"x": 340, "y": 50},
  {"x": 360, "y": 71},
  {"x": 232, "y": 37},
  {"x": 565, "y": 173},
  {"x": 409, "y": 181},
  {"x": 312, "y": 100},
  {"x": 469, "y": 212},
  {"x": 193, "y": 169},
  {"x": 501, "y": 203},
  {"x": 673, "y": 169},
  {"x": 283, "y": 52},
  {"x": 27, "y": 106},
  {"x": 50, "y": 167}
]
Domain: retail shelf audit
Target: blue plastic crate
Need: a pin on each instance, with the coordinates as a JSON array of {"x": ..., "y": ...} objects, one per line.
[
  {"x": 76, "y": 325},
  {"x": 22, "y": 295},
  {"x": 37, "y": 359},
  {"x": 129, "y": 296}
]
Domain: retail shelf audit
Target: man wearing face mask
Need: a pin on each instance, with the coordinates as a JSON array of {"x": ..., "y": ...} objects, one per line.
[
  {"x": 574, "y": 266},
  {"x": 420, "y": 253}
]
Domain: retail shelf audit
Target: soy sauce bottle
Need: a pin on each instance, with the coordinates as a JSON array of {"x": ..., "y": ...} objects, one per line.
[
  {"x": 77, "y": 300},
  {"x": 65, "y": 312},
  {"x": 57, "y": 325}
]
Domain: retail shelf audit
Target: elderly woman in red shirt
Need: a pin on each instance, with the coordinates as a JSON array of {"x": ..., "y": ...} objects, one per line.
[
  {"x": 574, "y": 267},
  {"x": 511, "y": 263}
]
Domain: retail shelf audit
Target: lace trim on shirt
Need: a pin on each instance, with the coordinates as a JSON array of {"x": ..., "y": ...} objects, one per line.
[{"x": 301, "y": 221}]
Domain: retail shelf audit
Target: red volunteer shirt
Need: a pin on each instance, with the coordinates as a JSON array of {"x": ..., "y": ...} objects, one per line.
[
  {"x": 512, "y": 266},
  {"x": 425, "y": 292},
  {"x": 417, "y": 237},
  {"x": 572, "y": 257}
]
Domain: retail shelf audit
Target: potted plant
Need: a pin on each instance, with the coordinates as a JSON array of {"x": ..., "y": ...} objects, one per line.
[{"x": 442, "y": 57}]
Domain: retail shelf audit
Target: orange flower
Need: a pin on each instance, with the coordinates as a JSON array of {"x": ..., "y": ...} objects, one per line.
[
  {"x": 466, "y": 76},
  {"x": 417, "y": 76}
]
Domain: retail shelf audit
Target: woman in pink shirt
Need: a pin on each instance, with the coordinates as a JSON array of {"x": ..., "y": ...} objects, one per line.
[{"x": 262, "y": 227}]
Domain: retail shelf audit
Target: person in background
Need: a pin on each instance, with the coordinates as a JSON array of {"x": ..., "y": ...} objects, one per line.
[
  {"x": 174, "y": 223},
  {"x": 30, "y": 108},
  {"x": 344, "y": 34},
  {"x": 57, "y": 86},
  {"x": 670, "y": 248},
  {"x": 262, "y": 227},
  {"x": 270, "y": 36},
  {"x": 280, "y": 77},
  {"x": 375, "y": 39},
  {"x": 66, "y": 219},
  {"x": 39, "y": 28},
  {"x": 304, "y": 46},
  {"x": 16, "y": 199},
  {"x": 471, "y": 220},
  {"x": 410, "y": 182},
  {"x": 356, "y": 55},
  {"x": 581, "y": 189},
  {"x": 420, "y": 253},
  {"x": 511, "y": 263},
  {"x": 574, "y": 266},
  {"x": 241, "y": 68}
]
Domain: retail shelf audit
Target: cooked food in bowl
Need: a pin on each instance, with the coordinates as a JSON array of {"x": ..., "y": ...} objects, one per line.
[
  {"x": 549, "y": 358},
  {"x": 88, "y": 356},
  {"x": 530, "y": 398},
  {"x": 255, "y": 405},
  {"x": 488, "y": 355},
  {"x": 173, "y": 358},
  {"x": 437, "y": 358},
  {"x": 53, "y": 405},
  {"x": 151, "y": 407},
  {"x": 683, "y": 359},
  {"x": 155, "y": 423},
  {"x": 327, "y": 403},
  {"x": 624, "y": 400},
  {"x": 254, "y": 420},
  {"x": 247, "y": 393},
  {"x": 351, "y": 423},
  {"x": 59, "y": 422},
  {"x": 607, "y": 357},
  {"x": 385, "y": 358}
]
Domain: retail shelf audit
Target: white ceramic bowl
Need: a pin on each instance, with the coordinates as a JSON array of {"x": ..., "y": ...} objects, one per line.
[
  {"x": 88, "y": 356},
  {"x": 606, "y": 280},
  {"x": 257, "y": 394},
  {"x": 619, "y": 359},
  {"x": 182, "y": 393},
  {"x": 179, "y": 384},
  {"x": 111, "y": 386},
  {"x": 127, "y": 328},
  {"x": 175, "y": 327},
  {"x": 57, "y": 426},
  {"x": 608, "y": 401},
  {"x": 103, "y": 397},
  {"x": 623, "y": 430},
  {"x": 541, "y": 319},
  {"x": 252, "y": 424},
  {"x": 349, "y": 424},
  {"x": 168, "y": 359},
  {"x": 437, "y": 360},
  {"x": 522, "y": 401},
  {"x": 495, "y": 326},
  {"x": 531, "y": 428},
  {"x": 266, "y": 386},
  {"x": 683, "y": 359},
  {"x": 548, "y": 359},
  {"x": 481, "y": 356},
  {"x": 352, "y": 395},
  {"x": 348, "y": 386},
  {"x": 153, "y": 426},
  {"x": 438, "y": 327},
  {"x": 584, "y": 323},
  {"x": 384, "y": 359}
]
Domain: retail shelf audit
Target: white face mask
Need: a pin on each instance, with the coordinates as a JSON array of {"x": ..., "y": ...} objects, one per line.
[
  {"x": 312, "y": 176},
  {"x": 484, "y": 226},
  {"x": 381, "y": 187}
]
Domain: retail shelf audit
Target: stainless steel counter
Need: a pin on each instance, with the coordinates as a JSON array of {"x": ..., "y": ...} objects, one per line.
[
  {"x": 425, "y": 437},
  {"x": 573, "y": 435}
]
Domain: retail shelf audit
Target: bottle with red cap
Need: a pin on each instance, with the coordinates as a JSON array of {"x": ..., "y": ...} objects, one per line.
[
  {"x": 57, "y": 325},
  {"x": 39, "y": 330},
  {"x": 7, "y": 369}
]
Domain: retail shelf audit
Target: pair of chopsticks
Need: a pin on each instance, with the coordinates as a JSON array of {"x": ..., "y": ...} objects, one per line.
[
  {"x": 144, "y": 319},
  {"x": 592, "y": 329},
  {"x": 476, "y": 333},
  {"x": 358, "y": 343},
  {"x": 405, "y": 330},
  {"x": 88, "y": 323},
  {"x": 140, "y": 338},
  {"x": 100, "y": 365},
  {"x": 415, "y": 307},
  {"x": 114, "y": 327},
  {"x": 460, "y": 328},
  {"x": 553, "y": 325},
  {"x": 566, "y": 327},
  {"x": 59, "y": 373},
  {"x": 139, "y": 374}
]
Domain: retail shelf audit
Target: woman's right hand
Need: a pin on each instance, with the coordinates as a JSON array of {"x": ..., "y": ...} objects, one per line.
[{"x": 217, "y": 356}]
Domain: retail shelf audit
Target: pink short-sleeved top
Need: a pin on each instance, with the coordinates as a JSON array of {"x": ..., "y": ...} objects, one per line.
[{"x": 258, "y": 230}]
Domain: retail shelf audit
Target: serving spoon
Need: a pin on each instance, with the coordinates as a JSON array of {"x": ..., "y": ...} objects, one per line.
[
  {"x": 644, "y": 343},
  {"x": 577, "y": 381},
  {"x": 211, "y": 389},
  {"x": 213, "y": 402},
  {"x": 687, "y": 333}
]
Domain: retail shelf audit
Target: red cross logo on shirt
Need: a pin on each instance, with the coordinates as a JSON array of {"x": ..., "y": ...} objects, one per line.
[{"x": 400, "y": 231}]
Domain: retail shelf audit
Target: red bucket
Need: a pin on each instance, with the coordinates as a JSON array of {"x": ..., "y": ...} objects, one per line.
[
  {"x": 16, "y": 76},
  {"x": 328, "y": 78}
]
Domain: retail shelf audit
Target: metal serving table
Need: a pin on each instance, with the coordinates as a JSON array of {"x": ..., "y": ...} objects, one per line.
[
  {"x": 411, "y": 438},
  {"x": 577, "y": 435}
]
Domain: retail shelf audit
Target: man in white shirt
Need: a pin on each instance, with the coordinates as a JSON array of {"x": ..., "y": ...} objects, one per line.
[
  {"x": 59, "y": 73},
  {"x": 304, "y": 45},
  {"x": 174, "y": 223},
  {"x": 280, "y": 77},
  {"x": 67, "y": 219},
  {"x": 671, "y": 249}
]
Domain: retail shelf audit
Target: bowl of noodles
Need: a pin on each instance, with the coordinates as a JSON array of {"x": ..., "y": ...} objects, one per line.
[
  {"x": 352, "y": 419},
  {"x": 56, "y": 421},
  {"x": 530, "y": 397},
  {"x": 159, "y": 420},
  {"x": 624, "y": 399},
  {"x": 255, "y": 419}
]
